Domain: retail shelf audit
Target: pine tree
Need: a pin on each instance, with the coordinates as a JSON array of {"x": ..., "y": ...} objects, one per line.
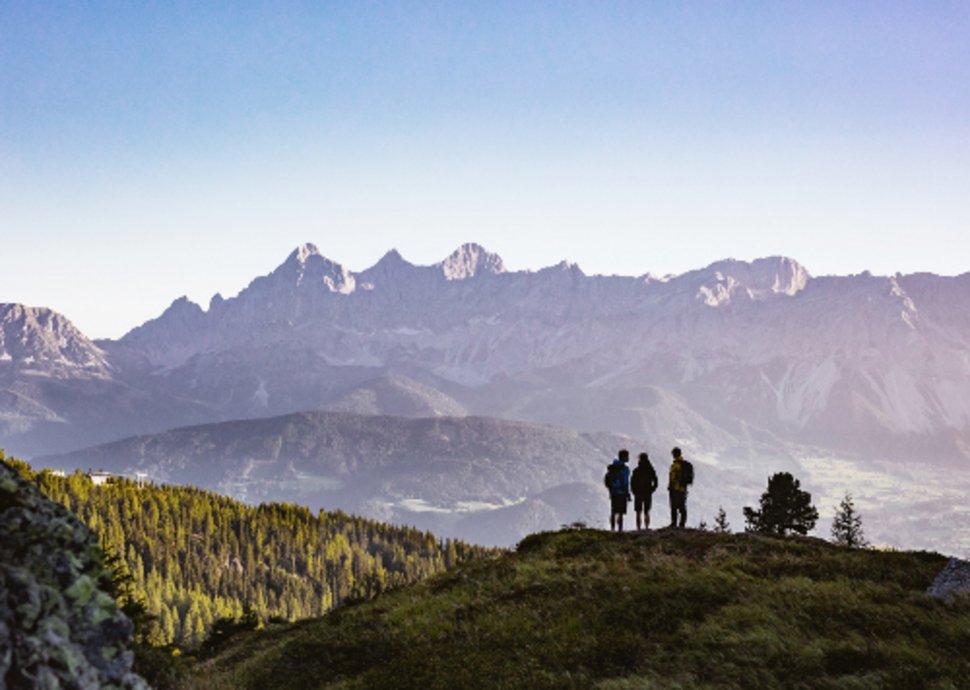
[
  {"x": 188, "y": 557},
  {"x": 847, "y": 525},
  {"x": 785, "y": 508},
  {"x": 721, "y": 524}
]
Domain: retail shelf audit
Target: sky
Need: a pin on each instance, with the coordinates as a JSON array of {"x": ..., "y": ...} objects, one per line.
[{"x": 150, "y": 150}]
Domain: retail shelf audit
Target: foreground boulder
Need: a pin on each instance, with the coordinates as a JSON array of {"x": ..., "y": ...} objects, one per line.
[
  {"x": 952, "y": 581},
  {"x": 59, "y": 626}
]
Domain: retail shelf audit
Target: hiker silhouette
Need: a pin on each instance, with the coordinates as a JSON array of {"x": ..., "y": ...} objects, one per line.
[
  {"x": 643, "y": 483},
  {"x": 681, "y": 476},
  {"x": 617, "y": 480}
]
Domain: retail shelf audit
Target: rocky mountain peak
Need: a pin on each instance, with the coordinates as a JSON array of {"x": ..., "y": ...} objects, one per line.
[
  {"x": 786, "y": 276},
  {"x": 174, "y": 327},
  {"x": 391, "y": 267},
  {"x": 470, "y": 260},
  {"x": 42, "y": 340},
  {"x": 306, "y": 266},
  {"x": 182, "y": 306},
  {"x": 722, "y": 281},
  {"x": 390, "y": 261},
  {"x": 564, "y": 267},
  {"x": 216, "y": 302},
  {"x": 303, "y": 252}
]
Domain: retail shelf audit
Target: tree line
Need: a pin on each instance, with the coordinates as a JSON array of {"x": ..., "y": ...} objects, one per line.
[
  {"x": 193, "y": 557},
  {"x": 785, "y": 508}
]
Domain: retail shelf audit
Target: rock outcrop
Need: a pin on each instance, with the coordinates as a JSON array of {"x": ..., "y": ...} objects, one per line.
[
  {"x": 59, "y": 627},
  {"x": 952, "y": 581}
]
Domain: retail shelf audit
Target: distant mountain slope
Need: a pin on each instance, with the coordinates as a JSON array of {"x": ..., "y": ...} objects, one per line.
[
  {"x": 493, "y": 481},
  {"x": 449, "y": 474},
  {"x": 398, "y": 396},
  {"x": 58, "y": 389},
  {"x": 584, "y": 609}
]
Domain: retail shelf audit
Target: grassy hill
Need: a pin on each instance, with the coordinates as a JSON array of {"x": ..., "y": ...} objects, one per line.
[{"x": 588, "y": 609}]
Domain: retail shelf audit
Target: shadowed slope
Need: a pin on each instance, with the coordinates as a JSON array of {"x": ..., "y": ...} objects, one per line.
[{"x": 585, "y": 609}]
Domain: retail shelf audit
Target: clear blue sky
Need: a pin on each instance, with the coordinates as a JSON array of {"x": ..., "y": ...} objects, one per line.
[{"x": 154, "y": 149}]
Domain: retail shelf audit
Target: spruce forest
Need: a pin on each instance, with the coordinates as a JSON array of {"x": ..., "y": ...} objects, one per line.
[{"x": 194, "y": 557}]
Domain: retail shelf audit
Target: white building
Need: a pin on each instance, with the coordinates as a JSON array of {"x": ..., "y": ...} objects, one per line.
[{"x": 100, "y": 477}]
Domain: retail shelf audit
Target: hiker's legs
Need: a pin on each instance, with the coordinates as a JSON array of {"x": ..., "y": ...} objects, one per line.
[
  {"x": 678, "y": 509},
  {"x": 617, "y": 509},
  {"x": 639, "y": 513}
]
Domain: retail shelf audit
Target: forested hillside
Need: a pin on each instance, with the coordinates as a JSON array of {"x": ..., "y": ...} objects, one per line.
[{"x": 196, "y": 556}]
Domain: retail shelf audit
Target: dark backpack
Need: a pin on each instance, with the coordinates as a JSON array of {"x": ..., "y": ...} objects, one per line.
[
  {"x": 644, "y": 480},
  {"x": 614, "y": 479},
  {"x": 686, "y": 473}
]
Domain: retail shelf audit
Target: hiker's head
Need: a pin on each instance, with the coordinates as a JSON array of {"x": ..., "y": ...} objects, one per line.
[
  {"x": 644, "y": 458},
  {"x": 624, "y": 455},
  {"x": 675, "y": 452}
]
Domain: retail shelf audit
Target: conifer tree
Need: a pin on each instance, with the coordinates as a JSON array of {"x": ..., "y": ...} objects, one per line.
[
  {"x": 847, "y": 525},
  {"x": 721, "y": 524},
  {"x": 785, "y": 508},
  {"x": 186, "y": 558}
]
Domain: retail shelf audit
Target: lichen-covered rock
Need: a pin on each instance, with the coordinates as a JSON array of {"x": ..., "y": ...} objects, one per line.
[
  {"x": 952, "y": 581},
  {"x": 59, "y": 627}
]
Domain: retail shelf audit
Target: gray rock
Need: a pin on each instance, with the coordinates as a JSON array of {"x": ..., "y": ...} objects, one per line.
[
  {"x": 953, "y": 580},
  {"x": 59, "y": 627}
]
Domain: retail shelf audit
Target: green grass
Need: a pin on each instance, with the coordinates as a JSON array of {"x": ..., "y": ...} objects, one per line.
[{"x": 673, "y": 610}]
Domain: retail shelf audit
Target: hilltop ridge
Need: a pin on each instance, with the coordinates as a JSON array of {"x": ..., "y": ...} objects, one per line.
[{"x": 669, "y": 609}]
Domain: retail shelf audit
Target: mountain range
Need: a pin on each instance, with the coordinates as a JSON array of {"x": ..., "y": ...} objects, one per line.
[{"x": 859, "y": 382}]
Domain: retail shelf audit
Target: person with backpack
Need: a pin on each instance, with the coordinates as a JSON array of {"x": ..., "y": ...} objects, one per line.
[
  {"x": 681, "y": 476},
  {"x": 643, "y": 483},
  {"x": 617, "y": 480}
]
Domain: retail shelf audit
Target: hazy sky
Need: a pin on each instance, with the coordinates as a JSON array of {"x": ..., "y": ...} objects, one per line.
[{"x": 154, "y": 149}]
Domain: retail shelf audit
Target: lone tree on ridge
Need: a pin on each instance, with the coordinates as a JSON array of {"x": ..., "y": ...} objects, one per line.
[
  {"x": 721, "y": 524},
  {"x": 847, "y": 525},
  {"x": 785, "y": 508}
]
